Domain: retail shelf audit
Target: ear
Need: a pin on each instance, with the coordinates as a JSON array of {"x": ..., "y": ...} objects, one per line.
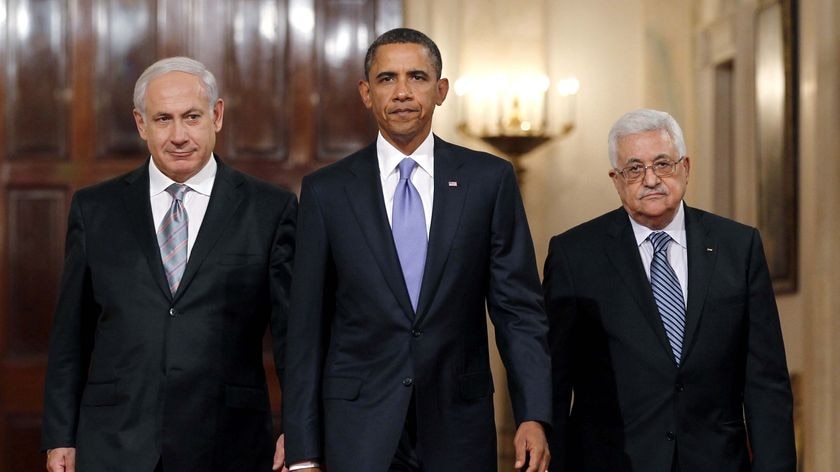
[
  {"x": 687, "y": 163},
  {"x": 218, "y": 114},
  {"x": 616, "y": 180},
  {"x": 442, "y": 90},
  {"x": 364, "y": 92},
  {"x": 141, "y": 123}
]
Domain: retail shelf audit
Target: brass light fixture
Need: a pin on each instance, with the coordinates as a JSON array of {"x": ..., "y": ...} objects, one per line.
[{"x": 514, "y": 115}]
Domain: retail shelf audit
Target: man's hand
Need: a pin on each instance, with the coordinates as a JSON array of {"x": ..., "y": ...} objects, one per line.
[
  {"x": 530, "y": 440},
  {"x": 61, "y": 459},
  {"x": 280, "y": 455}
]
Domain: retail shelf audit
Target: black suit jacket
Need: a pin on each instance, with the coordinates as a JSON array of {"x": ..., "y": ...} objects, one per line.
[
  {"x": 633, "y": 408},
  {"x": 356, "y": 349},
  {"x": 134, "y": 373}
]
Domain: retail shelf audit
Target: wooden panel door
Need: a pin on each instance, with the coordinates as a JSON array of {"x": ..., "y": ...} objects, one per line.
[{"x": 287, "y": 70}]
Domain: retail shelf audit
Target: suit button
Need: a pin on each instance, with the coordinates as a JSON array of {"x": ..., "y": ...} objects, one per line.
[
  {"x": 173, "y": 312},
  {"x": 670, "y": 436},
  {"x": 680, "y": 387},
  {"x": 416, "y": 332},
  {"x": 408, "y": 381}
]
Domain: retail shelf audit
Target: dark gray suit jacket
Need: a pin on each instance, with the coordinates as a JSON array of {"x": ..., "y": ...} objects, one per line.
[
  {"x": 634, "y": 409},
  {"x": 356, "y": 348},
  {"x": 134, "y": 373}
]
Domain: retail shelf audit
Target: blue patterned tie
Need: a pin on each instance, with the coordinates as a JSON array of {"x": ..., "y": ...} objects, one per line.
[
  {"x": 408, "y": 223},
  {"x": 172, "y": 237},
  {"x": 667, "y": 292}
]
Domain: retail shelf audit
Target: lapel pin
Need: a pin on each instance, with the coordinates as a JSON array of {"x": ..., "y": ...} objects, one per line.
[
  {"x": 708, "y": 249},
  {"x": 453, "y": 183}
]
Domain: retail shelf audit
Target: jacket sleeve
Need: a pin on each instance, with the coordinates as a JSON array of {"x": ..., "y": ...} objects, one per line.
[
  {"x": 768, "y": 401},
  {"x": 516, "y": 308},
  {"x": 561, "y": 308},
  {"x": 71, "y": 339},
  {"x": 280, "y": 281},
  {"x": 310, "y": 311}
]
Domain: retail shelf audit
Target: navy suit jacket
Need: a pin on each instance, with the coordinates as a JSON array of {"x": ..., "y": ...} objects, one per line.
[
  {"x": 357, "y": 350},
  {"x": 633, "y": 408},
  {"x": 135, "y": 374}
]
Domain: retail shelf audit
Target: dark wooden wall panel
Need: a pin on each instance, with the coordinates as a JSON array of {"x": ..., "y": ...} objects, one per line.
[
  {"x": 35, "y": 224},
  {"x": 343, "y": 124},
  {"x": 255, "y": 87},
  {"x": 37, "y": 95},
  {"x": 22, "y": 433},
  {"x": 126, "y": 45}
]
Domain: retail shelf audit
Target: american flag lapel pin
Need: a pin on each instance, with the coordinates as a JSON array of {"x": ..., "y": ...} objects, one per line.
[{"x": 453, "y": 183}]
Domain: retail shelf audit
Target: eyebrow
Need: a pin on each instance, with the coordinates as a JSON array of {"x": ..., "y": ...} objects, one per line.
[
  {"x": 656, "y": 158},
  {"x": 387, "y": 74}
]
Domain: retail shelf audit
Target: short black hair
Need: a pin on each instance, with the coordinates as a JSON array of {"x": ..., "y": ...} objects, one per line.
[{"x": 403, "y": 36}]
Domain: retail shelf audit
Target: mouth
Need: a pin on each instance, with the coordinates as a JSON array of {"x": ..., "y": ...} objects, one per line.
[
  {"x": 403, "y": 112},
  {"x": 182, "y": 154},
  {"x": 652, "y": 195}
]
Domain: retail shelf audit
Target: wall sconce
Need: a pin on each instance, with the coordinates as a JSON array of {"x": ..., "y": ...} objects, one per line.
[{"x": 514, "y": 114}]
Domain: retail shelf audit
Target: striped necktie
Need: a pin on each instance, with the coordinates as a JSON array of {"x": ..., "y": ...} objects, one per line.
[
  {"x": 409, "y": 227},
  {"x": 172, "y": 237},
  {"x": 667, "y": 292}
]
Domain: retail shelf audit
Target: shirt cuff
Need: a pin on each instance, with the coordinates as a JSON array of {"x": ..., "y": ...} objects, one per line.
[{"x": 304, "y": 465}]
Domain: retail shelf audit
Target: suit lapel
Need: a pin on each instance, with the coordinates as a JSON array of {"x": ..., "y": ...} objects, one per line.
[
  {"x": 224, "y": 200},
  {"x": 139, "y": 212},
  {"x": 364, "y": 192},
  {"x": 624, "y": 255},
  {"x": 702, "y": 253},
  {"x": 451, "y": 188}
]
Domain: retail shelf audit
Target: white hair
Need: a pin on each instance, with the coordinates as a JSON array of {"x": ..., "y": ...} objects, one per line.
[
  {"x": 639, "y": 121},
  {"x": 175, "y": 64}
]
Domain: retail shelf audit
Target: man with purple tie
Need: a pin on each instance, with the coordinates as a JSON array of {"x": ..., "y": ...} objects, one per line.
[{"x": 401, "y": 247}]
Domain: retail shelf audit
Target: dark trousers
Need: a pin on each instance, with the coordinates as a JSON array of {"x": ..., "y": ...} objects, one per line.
[
  {"x": 159, "y": 466},
  {"x": 407, "y": 458}
]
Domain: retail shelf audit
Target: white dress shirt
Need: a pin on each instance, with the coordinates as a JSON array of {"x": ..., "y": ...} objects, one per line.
[
  {"x": 195, "y": 200},
  {"x": 422, "y": 177},
  {"x": 677, "y": 250}
]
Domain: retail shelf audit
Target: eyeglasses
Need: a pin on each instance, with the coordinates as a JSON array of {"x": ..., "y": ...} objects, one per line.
[{"x": 636, "y": 171}]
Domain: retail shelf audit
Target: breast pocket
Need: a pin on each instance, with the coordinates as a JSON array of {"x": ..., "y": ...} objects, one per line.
[{"x": 241, "y": 259}]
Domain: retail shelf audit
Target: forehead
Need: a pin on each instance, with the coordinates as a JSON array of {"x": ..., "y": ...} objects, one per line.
[
  {"x": 176, "y": 90},
  {"x": 398, "y": 56},
  {"x": 646, "y": 146}
]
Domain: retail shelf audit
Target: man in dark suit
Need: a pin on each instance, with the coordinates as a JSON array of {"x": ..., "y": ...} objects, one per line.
[
  {"x": 172, "y": 274},
  {"x": 387, "y": 362},
  {"x": 664, "y": 326}
]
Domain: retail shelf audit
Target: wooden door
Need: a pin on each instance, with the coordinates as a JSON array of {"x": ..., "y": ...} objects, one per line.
[{"x": 287, "y": 70}]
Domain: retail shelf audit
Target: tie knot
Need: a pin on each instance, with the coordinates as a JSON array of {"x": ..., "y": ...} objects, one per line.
[
  {"x": 660, "y": 240},
  {"x": 177, "y": 191},
  {"x": 406, "y": 166}
]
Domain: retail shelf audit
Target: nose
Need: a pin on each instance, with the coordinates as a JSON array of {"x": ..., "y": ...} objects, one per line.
[
  {"x": 650, "y": 178},
  {"x": 402, "y": 92},
  {"x": 179, "y": 133}
]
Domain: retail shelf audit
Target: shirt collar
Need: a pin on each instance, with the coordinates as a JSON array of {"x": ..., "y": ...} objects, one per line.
[
  {"x": 389, "y": 156},
  {"x": 202, "y": 182},
  {"x": 675, "y": 229}
]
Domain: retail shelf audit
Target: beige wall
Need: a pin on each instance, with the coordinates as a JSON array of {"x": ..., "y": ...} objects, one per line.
[{"x": 661, "y": 54}]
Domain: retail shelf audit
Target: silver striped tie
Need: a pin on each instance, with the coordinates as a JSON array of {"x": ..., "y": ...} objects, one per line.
[
  {"x": 172, "y": 237},
  {"x": 667, "y": 292}
]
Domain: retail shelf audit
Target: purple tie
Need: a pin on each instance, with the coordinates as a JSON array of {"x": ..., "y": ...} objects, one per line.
[{"x": 409, "y": 227}]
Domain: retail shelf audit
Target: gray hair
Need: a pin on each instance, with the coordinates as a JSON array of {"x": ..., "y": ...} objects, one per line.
[
  {"x": 175, "y": 64},
  {"x": 639, "y": 121}
]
